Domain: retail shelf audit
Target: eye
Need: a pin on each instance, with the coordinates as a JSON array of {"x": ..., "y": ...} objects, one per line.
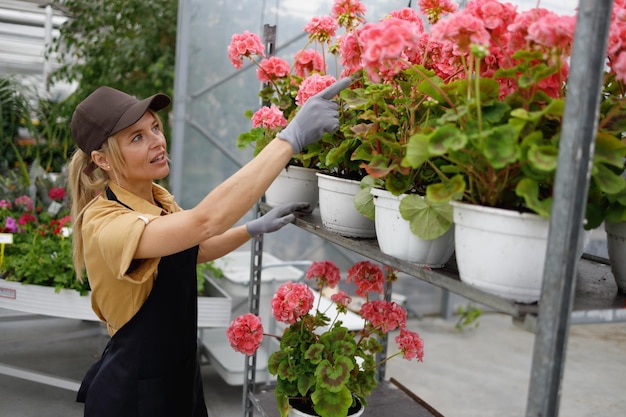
[
  {"x": 155, "y": 127},
  {"x": 136, "y": 138}
]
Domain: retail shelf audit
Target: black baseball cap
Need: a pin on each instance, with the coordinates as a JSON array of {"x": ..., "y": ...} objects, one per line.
[{"x": 105, "y": 112}]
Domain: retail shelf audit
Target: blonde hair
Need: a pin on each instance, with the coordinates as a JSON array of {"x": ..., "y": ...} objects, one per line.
[{"x": 84, "y": 188}]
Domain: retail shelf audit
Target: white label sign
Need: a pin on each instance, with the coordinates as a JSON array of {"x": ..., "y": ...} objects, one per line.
[{"x": 6, "y": 238}]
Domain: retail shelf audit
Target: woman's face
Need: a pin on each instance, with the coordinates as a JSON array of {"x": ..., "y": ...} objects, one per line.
[{"x": 143, "y": 148}]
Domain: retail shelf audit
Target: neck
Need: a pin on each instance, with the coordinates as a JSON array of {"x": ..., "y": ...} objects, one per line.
[{"x": 143, "y": 191}]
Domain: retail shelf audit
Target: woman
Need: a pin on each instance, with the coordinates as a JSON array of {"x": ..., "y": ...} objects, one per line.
[{"x": 140, "y": 249}]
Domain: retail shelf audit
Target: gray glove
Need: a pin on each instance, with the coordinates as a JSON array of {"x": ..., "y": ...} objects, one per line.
[
  {"x": 276, "y": 218},
  {"x": 318, "y": 116}
]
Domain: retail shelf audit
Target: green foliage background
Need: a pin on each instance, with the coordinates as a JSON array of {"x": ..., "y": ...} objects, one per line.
[{"x": 126, "y": 44}]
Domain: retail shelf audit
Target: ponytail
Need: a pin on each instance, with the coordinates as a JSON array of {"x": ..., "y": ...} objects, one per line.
[{"x": 83, "y": 189}]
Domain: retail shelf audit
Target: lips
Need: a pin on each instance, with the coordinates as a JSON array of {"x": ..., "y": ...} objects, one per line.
[{"x": 158, "y": 158}]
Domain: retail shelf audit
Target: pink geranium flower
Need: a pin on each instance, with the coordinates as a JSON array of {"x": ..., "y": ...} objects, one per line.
[
  {"x": 308, "y": 62},
  {"x": 385, "y": 44},
  {"x": 325, "y": 273},
  {"x": 342, "y": 299},
  {"x": 269, "y": 117},
  {"x": 313, "y": 85},
  {"x": 411, "y": 345},
  {"x": 244, "y": 45},
  {"x": 245, "y": 333},
  {"x": 435, "y": 9},
  {"x": 321, "y": 29},
  {"x": 291, "y": 301},
  {"x": 368, "y": 277},
  {"x": 384, "y": 315},
  {"x": 349, "y": 13},
  {"x": 272, "y": 69}
]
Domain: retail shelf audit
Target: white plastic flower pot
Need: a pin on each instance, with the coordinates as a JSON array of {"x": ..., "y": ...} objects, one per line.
[
  {"x": 337, "y": 211},
  {"x": 502, "y": 251},
  {"x": 396, "y": 239},
  {"x": 294, "y": 184},
  {"x": 616, "y": 245}
]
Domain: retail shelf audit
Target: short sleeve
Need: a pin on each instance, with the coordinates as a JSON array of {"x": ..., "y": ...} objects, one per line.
[{"x": 118, "y": 240}]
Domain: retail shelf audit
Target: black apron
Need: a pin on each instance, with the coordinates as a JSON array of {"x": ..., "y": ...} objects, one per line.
[{"x": 150, "y": 366}]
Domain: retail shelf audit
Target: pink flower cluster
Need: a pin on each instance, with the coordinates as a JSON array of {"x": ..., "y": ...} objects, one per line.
[
  {"x": 245, "y": 333},
  {"x": 325, "y": 274},
  {"x": 294, "y": 301},
  {"x": 244, "y": 45},
  {"x": 269, "y": 117},
  {"x": 616, "y": 49},
  {"x": 313, "y": 85},
  {"x": 368, "y": 277}
]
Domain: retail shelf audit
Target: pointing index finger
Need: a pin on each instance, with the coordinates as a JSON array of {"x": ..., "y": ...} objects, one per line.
[{"x": 334, "y": 89}]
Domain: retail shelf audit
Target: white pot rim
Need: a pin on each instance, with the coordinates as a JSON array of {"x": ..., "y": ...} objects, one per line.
[{"x": 497, "y": 210}]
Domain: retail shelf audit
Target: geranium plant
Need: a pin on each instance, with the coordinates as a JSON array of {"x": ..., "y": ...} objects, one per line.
[
  {"x": 468, "y": 107},
  {"x": 494, "y": 81},
  {"x": 319, "y": 360},
  {"x": 287, "y": 86}
]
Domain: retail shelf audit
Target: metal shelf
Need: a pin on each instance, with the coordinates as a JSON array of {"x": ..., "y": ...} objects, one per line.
[{"x": 596, "y": 298}]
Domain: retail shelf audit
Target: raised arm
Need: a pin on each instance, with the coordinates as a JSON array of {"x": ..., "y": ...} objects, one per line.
[{"x": 232, "y": 199}]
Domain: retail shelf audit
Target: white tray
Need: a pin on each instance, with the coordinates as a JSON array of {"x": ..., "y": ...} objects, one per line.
[
  {"x": 236, "y": 268},
  {"x": 213, "y": 311}
]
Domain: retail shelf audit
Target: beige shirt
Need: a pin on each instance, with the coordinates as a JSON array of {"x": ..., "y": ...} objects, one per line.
[{"x": 111, "y": 233}]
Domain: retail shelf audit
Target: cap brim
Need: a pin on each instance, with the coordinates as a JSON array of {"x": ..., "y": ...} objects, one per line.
[{"x": 137, "y": 110}]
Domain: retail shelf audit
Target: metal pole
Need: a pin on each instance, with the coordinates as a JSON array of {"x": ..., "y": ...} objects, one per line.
[
  {"x": 180, "y": 96},
  {"x": 254, "y": 296},
  {"x": 576, "y": 148}
]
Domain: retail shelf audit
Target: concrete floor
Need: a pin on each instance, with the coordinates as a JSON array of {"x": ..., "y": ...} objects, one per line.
[{"x": 476, "y": 372}]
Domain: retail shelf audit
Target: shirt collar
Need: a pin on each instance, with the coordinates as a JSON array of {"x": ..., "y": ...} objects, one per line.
[{"x": 139, "y": 204}]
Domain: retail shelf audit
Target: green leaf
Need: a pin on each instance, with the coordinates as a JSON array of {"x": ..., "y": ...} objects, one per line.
[
  {"x": 332, "y": 403},
  {"x": 501, "y": 146},
  {"x": 446, "y": 138},
  {"x": 543, "y": 157},
  {"x": 446, "y": 191},
  {"x": 333, "y": 377},
  {"x": 607, "y": 180},
  {"x": 417, "y": 151},
  {"x": 609, "y": 150},
  {"x": 363, "y": 200},
  {"x": 529, "y": 190},
  {"x": 427, "y": 220}
]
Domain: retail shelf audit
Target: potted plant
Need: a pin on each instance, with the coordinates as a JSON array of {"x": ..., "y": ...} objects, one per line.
[
  {"x": 319, "y": 360},
  {"x": 496, "y": 90},
  {"x": 286, "y": 87},
  {"x": 613, "y": 208},
  {"x": 279, "y": 95}
]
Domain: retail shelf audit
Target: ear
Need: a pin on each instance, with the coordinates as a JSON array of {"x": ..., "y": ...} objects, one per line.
[{"x": 101, "y": 160}]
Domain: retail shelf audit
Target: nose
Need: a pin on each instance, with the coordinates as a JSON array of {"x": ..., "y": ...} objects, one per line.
[{"x": 157, "y": 138}]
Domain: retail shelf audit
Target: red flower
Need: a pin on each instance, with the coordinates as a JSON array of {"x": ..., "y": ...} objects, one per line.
[
  {"x": 292, "y": 301},
  {"x": 384, "y": 315},
  {"x": 326, "y": 274},
  {"x": 411, "y": 345},
  {"x": 27, "y": 218},
  {"x": 368, "y": 277},
  {"x": 57, "y": 193},
  {"x": 245, "y": 333}
]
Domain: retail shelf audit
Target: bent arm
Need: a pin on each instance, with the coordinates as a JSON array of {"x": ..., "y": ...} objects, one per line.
[
  {"x": 219, "y": 210},
  {"x": 218, "y": 246}
]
